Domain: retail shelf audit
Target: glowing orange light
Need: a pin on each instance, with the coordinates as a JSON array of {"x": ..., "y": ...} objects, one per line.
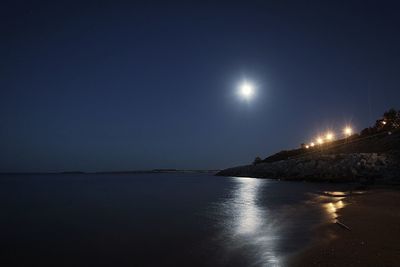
[
  {"x": 347, "y": 131},
  {"x": 329, "y": 136},
  {"x": 320, "y": 141}
]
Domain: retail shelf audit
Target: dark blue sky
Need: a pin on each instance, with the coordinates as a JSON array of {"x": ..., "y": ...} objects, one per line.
[{"x": 108, "y": 85}]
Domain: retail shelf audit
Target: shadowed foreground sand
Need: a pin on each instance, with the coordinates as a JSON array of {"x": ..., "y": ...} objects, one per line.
[{"x": 374, "y": 238}]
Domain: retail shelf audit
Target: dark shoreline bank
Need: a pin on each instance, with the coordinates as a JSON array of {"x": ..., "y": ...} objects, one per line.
[
  {"x": 356, "y": 167},
  {"x": 365, "y": 158}
]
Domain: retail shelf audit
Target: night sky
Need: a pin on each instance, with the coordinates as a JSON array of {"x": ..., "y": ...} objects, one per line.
[{"x": 109, "y": 85}]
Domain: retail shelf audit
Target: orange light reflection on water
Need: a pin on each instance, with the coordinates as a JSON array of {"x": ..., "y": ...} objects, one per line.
[{"x": 333, "y": 207}]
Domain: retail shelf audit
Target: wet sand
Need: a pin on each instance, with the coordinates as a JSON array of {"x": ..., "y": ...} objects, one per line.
[{"x": 373, "y": 238}]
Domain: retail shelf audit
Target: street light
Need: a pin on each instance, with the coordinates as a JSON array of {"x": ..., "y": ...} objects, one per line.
[
  {"x": 347, "y": 131},
  {"x": 320, "y": 141},
  {"x": 329, "y": 136}
]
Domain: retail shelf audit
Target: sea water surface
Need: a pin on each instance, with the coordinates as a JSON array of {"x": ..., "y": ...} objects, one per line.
[{"x": 170, "y": 219}]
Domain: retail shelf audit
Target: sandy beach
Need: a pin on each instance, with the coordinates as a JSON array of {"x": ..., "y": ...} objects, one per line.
[{"x": 371, "y": 240}]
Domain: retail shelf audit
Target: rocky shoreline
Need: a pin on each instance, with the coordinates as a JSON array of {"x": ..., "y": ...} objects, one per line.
[{"x": 319, "y": 167}]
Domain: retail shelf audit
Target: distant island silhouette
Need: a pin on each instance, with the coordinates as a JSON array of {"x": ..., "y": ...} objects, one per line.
[{"x": 115, "y": 172}]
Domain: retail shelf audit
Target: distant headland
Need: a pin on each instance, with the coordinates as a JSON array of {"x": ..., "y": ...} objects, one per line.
[
  {"x": 114, "y": 172},
  {"x": 373, "y": 155}
]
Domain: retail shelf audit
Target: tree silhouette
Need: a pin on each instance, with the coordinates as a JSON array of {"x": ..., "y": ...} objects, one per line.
[
  {"x": 389, "y": 121},
  {"x": 257, "y": 160}
]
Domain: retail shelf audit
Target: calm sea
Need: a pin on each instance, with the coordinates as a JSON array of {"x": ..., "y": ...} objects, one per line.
[{"x": 154, "y": 220}]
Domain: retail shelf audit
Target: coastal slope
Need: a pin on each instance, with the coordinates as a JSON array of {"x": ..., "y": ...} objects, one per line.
[{"x": 363, "y": 159}]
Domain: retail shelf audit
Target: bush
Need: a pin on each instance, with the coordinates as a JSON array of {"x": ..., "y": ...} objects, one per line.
[{"x": 257, "y": 160}]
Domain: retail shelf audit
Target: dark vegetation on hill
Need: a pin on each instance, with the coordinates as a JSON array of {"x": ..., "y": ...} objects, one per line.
[{"x": 383, "y": 137}]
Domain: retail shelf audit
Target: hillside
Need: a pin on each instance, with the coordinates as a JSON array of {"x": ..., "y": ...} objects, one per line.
[
  {"x": 378, "y": 143},
  {"x": 373, "y": 155}
]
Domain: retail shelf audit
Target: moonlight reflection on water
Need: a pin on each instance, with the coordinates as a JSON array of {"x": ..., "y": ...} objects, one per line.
[
  {"x": 248, "y": 217},
  {"x": 252, "y": 229},
  {"x": 264, "y": 222}
]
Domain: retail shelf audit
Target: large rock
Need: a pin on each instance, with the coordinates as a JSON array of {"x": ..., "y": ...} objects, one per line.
[{"x": 321, "y": 167}]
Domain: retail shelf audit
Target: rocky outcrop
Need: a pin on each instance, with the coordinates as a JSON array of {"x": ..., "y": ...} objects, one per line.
[{"x": 361, "y": 167}]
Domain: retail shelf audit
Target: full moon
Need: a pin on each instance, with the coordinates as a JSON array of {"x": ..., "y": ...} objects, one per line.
[{"x": 246, "y": 90}]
